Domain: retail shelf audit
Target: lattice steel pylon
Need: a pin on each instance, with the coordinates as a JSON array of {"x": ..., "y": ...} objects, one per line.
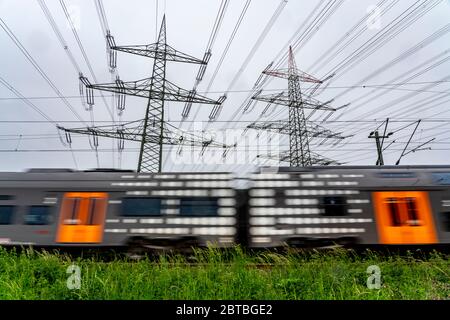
[
  {"x": 152, "y": 131},
  {"x": 298, "y": 128}
]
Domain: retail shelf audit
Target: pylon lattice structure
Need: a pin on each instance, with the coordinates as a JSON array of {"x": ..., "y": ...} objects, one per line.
[
  {"x": 152, "y": 132},
  {"x": 298, "y": 128}
]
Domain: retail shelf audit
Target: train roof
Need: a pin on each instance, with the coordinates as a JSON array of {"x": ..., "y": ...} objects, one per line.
[
  {"x": 362, "y": 167},
  {"x": 107, "y": 173},
  {"x": 112, "y": 171}
]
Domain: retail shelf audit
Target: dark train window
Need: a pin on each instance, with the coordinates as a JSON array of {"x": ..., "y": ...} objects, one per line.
[
  {"x": 70, "y": 209},
  {"x": 413, "y": 216},
  {"x": 199, "y": 206},
  {"x": 141, "y": 207},
  {"x": 6, "y": 214},
  {"x": 394, "y": 210},
  {"x": 38, "y": 215},
  {"x": 397, "y": 175},
  {"x": 446, "y": 221},
  {"x": 6, "y": 197},
  {"x": 403, "y": 212},
  {"x": 334, "y": 206}
]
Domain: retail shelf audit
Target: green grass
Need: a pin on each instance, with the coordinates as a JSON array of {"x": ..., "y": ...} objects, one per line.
[{"x": 225, "y": 275}]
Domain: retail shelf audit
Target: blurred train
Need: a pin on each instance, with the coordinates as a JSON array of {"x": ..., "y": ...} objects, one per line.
[{"x": 296, "y": 207}]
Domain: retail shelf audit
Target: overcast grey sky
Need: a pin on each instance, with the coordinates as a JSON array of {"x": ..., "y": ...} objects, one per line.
[{"x": 189, "y": 25}]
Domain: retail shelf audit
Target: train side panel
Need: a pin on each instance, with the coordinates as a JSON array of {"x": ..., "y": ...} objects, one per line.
[
  {"x": 337, "y": 205},
  {"x": 98, "y": 209}
]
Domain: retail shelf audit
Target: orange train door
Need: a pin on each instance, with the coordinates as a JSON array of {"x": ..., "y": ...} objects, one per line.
[
  {"x": 82, "y": 217},
  {"x": 404, "y": 217}
]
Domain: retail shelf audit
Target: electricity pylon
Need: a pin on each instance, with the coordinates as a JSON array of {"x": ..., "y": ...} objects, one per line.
[
  {"x": 152, "y": 132},
  {"x": 298, "y": 128}
]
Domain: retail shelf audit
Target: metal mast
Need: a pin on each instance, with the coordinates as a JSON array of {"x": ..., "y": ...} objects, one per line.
[
  {"x": 298, "y": 135},
  {"x": 157, "y": 89},
  {"x": 298, "y": 128}
]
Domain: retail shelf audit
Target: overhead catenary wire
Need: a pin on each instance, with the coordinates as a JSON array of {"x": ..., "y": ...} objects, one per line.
[
  {"x": 393, "y": 28},
  {"x": 418, "y": 70},
  {"x": 403, "y": 21},
  {"x": 37, "y": 109},
  {"x": 404, "y": 55},
  {"x": 111, "y": 59},
  {"x": 308, "y": 26},
  {"x": 88, "y": 63},
  {"x": 312, "y": 28},
  {"x": 41, "y": 72},
  {"x": 353, "y": 33},
  {"x": 433, "y": 100},
  {"x": 64, "y": 45},
  {"x": 413, "y": 21},
  {"x": 83, "y": 52},
  {"x": 215, "y": 112},
  {"x": 202, "y": 69},
  {"x": 25, "y": 100},
  {"x": 387, "y": 33},
  {"x": 225, "y": 51},
  {"x": 379, "y": 86}
]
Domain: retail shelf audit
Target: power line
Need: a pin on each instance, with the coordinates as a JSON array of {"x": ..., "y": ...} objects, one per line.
[
  {"x": 111, "y": 57},
  {"x": 216, "y": 110},
  {"x": 225, "y": 51},
  {"x": 363, "y": 86},
  {"x": 27, "y": 101},
  {"x": 430, "y": 120},
  {"x": 386, "y": 34},
  {"x": 83, "y": 52},
  {"x": 63, "y": 43},
  {"x": 196, "y": 148},
  {"x": 301, "y": 36},
  {"x": 33, "y": 62}
]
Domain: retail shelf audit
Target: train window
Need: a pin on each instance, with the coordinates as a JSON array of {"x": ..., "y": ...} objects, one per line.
[
  {"x": 413, "y": 217},
  {"x": 6, "y": 214},
  {"x": 199, "y": 206},
  {"x": 141, "y": 206},
  {"x": 38, "y": 215},
  {"x": 334, "y": 206},
  {"x": 96, "y": 207},
  {"x": 4, "y": 197},
  {"x": 403, "y": 212},
  {"x": 446, "y": 221},
  {"x": 394, "y": 211}
]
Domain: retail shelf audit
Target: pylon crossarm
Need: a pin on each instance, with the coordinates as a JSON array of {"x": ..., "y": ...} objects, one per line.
[
  {"x": 323, "y": 161},
  {"x": 284, "y": 156},
  {"x": 282, "y": 127},
  {"x": 176, "y": 93},
  {"x": 321, "y": 132},
  {"x": 155, "y": 50},
  {"x": 183, "y": 137},
  {"x": 281, "y": 157},
  {"x": 132, "y": 131},
  {"x": 283, "y": 99},
  {"x": 285, "y": 74},
  {"x": 274, "y": 126},
  {"x": 141, "y": 88}
]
